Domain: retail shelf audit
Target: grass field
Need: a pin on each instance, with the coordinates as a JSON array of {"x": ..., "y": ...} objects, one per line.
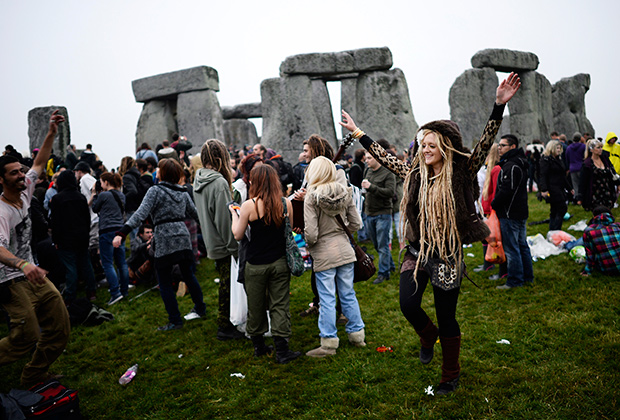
[{"x": 562, "y": 361}]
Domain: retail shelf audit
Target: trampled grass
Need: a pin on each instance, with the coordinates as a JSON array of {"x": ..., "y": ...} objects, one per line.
[{"x": 562, "y": 361}]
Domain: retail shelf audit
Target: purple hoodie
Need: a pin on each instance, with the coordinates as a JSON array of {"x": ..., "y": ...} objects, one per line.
[{"x": 574, "y": 156}]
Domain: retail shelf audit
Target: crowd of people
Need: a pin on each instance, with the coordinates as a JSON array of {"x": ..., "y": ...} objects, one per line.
[{"x": 64, "y": 223}]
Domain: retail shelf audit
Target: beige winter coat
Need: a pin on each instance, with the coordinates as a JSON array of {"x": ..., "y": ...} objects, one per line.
[{"x": 327, "y": 242}]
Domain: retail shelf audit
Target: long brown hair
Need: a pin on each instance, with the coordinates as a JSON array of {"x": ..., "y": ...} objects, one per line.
[
  {"x": 126, "y": 164},
  {"x": 319, "y": 147},
  {"x": 266, "y": 186}
]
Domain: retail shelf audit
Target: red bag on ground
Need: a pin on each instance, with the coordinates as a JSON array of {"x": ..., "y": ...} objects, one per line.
[{"x": 495, "y": 251}]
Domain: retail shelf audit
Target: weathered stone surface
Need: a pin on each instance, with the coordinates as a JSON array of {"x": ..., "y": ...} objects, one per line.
[
  {"x": 471, "y": 101},
  {"x": 243, "y": 111},
  {"x": 156, "y": 123},
  {"x": 239, "y": 132},
  {"x": 199, "y": 117},
  {"x": 569, "y": 108},
  {"x": 531, "y": 114},
  {"x": 294, "y": 108},
  {"x": 381, "y": 106},
  {"x": 39, "y": 124},
  {"x": 326, "y": 64},
  {"x": 181, "y": 81},
  {"x": 505, "y": 60}
]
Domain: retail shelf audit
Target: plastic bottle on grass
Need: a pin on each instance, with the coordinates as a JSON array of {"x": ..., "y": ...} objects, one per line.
[{"x": 129, "y": 375}]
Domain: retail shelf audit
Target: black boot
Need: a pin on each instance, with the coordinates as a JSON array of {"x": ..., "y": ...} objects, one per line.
[
  {"x": 283, "y": 354},
  {"x": 260, "y": 349}
]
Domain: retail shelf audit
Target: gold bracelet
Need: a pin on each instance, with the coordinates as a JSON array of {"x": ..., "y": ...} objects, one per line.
[{"x": 358, "y": 134}]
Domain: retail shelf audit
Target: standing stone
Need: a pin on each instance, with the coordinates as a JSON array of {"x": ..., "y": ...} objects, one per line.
[
  {"x": 156, "y": 123},
  {"x": 383, "y": 108},
  {"x": 505, "y": 60},
  {"x": 471, "y": 101},
  {"x": 569, "y": 107},
  {"x": 199, "y": 117},
  {"x": 531, "y": 113},
  {"x": 323, "y": 110},
  {"x": 39, "y": 124},
  {"x": 289, "y": 106},
  {"x": 176, "y": 82},
  {"x": 239, "y": 132}
]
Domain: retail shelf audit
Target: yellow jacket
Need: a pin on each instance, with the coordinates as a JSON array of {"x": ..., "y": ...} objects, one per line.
[{"x": 613, "y": 149}]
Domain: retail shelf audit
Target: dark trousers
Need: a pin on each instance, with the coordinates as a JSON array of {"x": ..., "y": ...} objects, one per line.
[
  {"x": 445, "y": 304},
  {"x": 168, "y": 295},
  {"x": 556, "y": 216}
]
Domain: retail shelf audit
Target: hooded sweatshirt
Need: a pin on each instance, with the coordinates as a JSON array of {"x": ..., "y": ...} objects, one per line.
[
  {"x": 602, "y": 242},
  {"x": 327, "y": 241},
  {"x": 613, "y": 150},
  {"x": 212, "y": 195}
]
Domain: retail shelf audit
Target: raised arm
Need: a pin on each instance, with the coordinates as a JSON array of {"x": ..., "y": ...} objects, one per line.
[
  {"x": 395, "y": 165},
  {"x": 504, "y": 93},
  {"x": 46, "y": 148}
]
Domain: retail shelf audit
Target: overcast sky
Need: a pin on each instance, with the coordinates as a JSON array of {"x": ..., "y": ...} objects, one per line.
[{"x": 84, "y": 54}]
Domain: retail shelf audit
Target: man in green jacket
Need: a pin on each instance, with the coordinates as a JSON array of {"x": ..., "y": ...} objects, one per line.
[
  {"x": 212, "y": 193},
  {"x": 380, "y": 186}
]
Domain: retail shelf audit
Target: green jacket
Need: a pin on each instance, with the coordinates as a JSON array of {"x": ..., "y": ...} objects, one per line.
[
  {"x": 212, "y": 194},
  {"x": 381, "y": 192}
]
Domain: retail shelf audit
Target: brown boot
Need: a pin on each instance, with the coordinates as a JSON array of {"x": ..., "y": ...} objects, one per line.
[
  {"x": 428, "y": 337},
  {"x": 450, "y": 368}
]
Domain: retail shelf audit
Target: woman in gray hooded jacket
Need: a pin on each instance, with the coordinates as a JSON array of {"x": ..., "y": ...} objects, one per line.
[
  {"x": 169, "y": 205},
  {"x": 332, "y": 253}
]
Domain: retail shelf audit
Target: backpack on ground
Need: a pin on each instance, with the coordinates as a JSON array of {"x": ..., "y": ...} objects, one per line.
[{"x": 58, "y": 402}]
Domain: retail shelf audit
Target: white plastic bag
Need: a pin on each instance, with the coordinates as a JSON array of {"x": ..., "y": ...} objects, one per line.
[{"x": 238, "y": 298}]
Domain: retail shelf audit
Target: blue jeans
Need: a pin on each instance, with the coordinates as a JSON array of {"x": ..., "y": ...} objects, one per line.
[
  {"x": 518, "y": 256},
  {"x": 109, "y": 257},
  {"x": 326, "y": 284},
  {"x": 77, "y": 264},
  {"x": 379, "y": 228}
]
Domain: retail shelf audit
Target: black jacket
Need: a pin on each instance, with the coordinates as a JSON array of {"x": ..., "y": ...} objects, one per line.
[
  {"x": 70, "y": 220},
  {"x": 133, "y": 189},
  {"x": 553, "y": 179},
  {"x": 510, "y": 200}
]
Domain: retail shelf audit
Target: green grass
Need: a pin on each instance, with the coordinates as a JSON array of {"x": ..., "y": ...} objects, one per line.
[{"x": 562, "y": 363}]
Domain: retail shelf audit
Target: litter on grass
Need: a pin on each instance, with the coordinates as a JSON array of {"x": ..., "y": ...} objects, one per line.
[
  {"x": 216, "y": 280},
  {"x": 384, "y": 349},
  {"x": 180, "y": 355},
  {"x": 580, "y": 225},
  {"x": 429, "y": 390},
  {"x": 469, "y": 254},
  {"x": 503, "y": 341},
  {"x": 238, "y": 375}
]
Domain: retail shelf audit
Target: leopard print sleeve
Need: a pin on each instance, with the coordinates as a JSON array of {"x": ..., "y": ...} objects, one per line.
[
  {"x": 479, "y": 155},
  {"x": 395, "y": 165}
]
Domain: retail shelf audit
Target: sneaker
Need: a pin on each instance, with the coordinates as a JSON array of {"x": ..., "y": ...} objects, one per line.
[
  {"x": 496, "y": 277},
  {"x": 480, "y": 268},
  {"x": 380, "y": 279},
  {"x": 312, "y": 310},
  {"x": 169, "y": 327},
  {"x": 193, "y": 315},
  {"x": 504, "y": 287},
  {"x": 131, "y": 286},
  {"x": 113, "y": 300},
  {"x": 230, "y": 333}
]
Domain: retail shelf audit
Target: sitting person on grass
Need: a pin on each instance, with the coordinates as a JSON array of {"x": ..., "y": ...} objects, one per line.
[
  {"x": 140, "y": 261},
  {"x": 602, "y": 242}
]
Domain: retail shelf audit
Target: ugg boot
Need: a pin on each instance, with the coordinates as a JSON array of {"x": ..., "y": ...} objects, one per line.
[
  {"x": 428, "y": 337},
  {"x": 260, "y": 349},
  {"x": 283, "y": 354},
  {"x": 328, "y": 347},
  {"x": 450, "y": 368},
  {"x": 357, "y": 338}
]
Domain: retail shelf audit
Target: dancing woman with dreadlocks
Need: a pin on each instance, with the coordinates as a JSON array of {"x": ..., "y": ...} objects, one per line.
[{"x": 438, "y": 204}]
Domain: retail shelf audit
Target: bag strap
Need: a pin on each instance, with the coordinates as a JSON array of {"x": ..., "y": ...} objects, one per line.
[
  {"x": 118, "y": 200},
  {"x": 346, "y": 229}
]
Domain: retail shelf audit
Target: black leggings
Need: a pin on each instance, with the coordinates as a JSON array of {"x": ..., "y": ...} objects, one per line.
[{"x": 445, "y": 304}]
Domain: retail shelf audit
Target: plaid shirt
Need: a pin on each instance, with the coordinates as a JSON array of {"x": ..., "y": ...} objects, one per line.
[{"x": 602, "y": 242}]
